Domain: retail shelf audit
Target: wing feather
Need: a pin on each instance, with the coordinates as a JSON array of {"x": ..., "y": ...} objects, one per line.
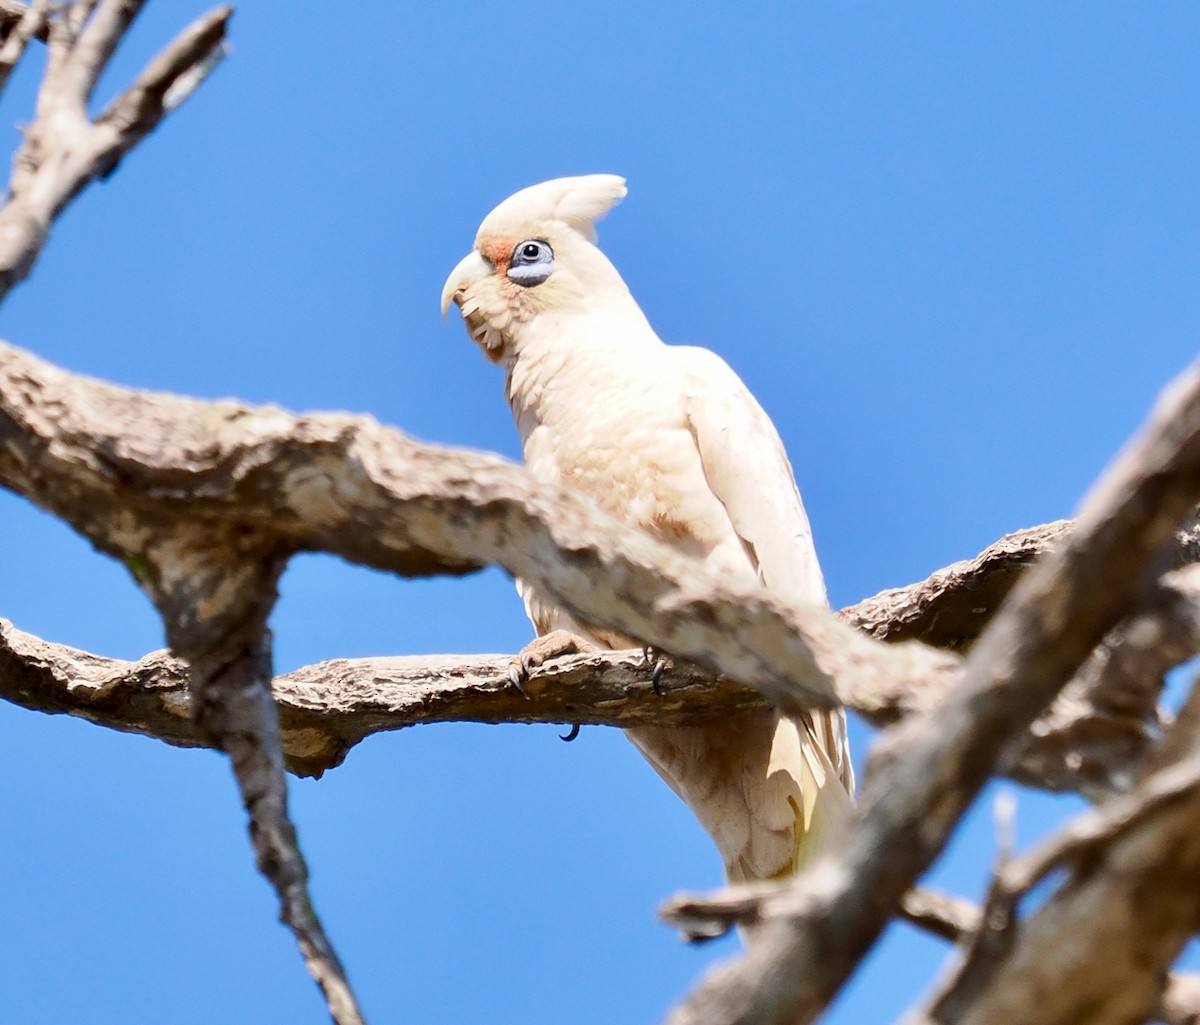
[{"x": 747, "y": 469}]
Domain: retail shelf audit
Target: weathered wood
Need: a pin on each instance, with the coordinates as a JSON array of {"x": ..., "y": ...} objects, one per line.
[{"x": 1052, "y": 620}]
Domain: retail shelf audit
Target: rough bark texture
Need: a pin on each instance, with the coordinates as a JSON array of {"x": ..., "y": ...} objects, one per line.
[
  {"x": 164, "y": 484},
  {"x": 1055, "y": 616},
  {"x": 213, "y": 584},
  {"x": 1051, "y": 676},
  {"x": 1089, "y": 740},
  {"x": 950, "y": 609},
  {"x": 1133, "y": 890}
]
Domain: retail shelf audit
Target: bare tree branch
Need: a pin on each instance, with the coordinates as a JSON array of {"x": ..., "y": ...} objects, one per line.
[
  {"x": 119, "y": 465},
  {"x": 11, "y": 12},
  {"x": 63, "y": 150},
  {"x": 328, "y": 708},
  {"x": 168, "y": 79},
  {"x": 91, "y": 49},
  {"x": 948, "y": 918},
  {"x": 950, "y": 609},
  {"x": 221, "y": 484},
  {"x": 21, "y": 24},
  {"x": 214, "y": 589},
  {"x": 1080, "y": 743},
  {"x": 224, "y": 640},
  {"x": 1132, "y": 888},
  {"x": 1054, "y": 617},
  {"x": 748, "y": 904}
]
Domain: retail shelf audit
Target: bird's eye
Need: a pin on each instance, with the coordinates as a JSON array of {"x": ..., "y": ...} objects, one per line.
[{"x": 531, "y": 263}]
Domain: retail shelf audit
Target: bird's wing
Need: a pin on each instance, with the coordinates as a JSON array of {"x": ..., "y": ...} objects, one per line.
[{"x": 748, "y": 470}]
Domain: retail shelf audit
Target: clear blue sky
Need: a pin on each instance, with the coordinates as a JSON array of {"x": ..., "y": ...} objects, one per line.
[{"x": 952, "y": 247}]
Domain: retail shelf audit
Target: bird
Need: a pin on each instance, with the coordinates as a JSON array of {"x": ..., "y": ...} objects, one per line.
[{"x": 668, "y": 439}]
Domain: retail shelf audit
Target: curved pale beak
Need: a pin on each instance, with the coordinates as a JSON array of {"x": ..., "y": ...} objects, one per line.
[{"x": 471, "y": 268}]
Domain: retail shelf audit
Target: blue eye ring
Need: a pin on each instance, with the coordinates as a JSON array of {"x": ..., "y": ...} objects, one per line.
[{"x": 531, "y": 263}]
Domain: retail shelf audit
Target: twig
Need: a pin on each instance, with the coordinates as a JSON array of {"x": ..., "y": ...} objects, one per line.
[
  {"x": 703, "y": 918},
  {"x": 950, "y": 609},
  {"x": 28, "y": 22},
  {"x": 169, "y": 78},
  {"x": 11, "y": 14},
  {"x": 62, "y": 150},
  {"x": 91, "y": 50},
  {"x": 939, "y": 914}
]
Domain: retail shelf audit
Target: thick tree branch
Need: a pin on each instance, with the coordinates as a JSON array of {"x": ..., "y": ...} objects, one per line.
[
  {"x": 1131, "y": 889},
  {"x": 1089, "y": 739},
  {"x": 1051, "y": 621},
  {"x": 119, "y": 465},
  {"x": 169, "y": 485},
  {"x": 950, "y": 608},
  {"x": 327, "y": 708}
]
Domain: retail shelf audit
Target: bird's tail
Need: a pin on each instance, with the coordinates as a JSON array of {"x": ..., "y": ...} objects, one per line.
[{"x": 768, "y": 789}]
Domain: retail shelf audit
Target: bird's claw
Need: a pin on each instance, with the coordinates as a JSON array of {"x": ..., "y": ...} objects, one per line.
[
  {"x": 517, "y": 675},
  {"x": 568, "y": 737},
  {"x": 540, "y": 650},
  {"x": 649, "y": 655}
]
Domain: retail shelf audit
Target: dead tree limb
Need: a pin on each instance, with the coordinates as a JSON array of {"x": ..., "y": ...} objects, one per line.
[
  {"x": 20, "y": 23},
  {"x": 214, "y": 588},
  {"x": 119, "y": 465},
  {"x": 1089, "y": 739},
  {"x": 1055, "y": 616},
  {"x": 1131, "y": 888},
  {"x": 64, "y": 149},
  {"x": 131, "y": 470}
]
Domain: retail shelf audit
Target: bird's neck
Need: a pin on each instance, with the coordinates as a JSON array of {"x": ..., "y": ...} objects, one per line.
[{"x": 576, "y": 359}]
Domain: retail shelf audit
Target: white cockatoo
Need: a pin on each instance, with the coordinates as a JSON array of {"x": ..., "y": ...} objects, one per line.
[{"x": 667, "y": 438}]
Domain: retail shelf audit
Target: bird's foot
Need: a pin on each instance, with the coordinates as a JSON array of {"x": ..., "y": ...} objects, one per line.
[
  {"x": 660, "y": 664},
  {"x": 555, "y": 644}
]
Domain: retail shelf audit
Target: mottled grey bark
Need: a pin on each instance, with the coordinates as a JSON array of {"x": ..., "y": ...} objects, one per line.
[
  {"x": 827, "y": 919},
  {"x": 1051, "y": 676},
  {"x": 1090, "y": 739},
  {"x": 213, "y": 585}
]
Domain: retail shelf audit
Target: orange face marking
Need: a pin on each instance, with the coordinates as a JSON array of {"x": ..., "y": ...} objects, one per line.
[{"x": 497, "y": 251}]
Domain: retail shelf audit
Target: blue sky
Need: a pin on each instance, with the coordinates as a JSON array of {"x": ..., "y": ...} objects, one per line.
[{"x": 950, "y": 246}]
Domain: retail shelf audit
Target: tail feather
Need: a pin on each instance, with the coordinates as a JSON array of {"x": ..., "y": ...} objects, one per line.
[{"x": 767, "y": 789}]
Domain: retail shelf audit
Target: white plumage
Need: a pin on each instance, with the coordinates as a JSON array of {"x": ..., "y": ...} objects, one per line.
[{"x": 668, "y": 438}]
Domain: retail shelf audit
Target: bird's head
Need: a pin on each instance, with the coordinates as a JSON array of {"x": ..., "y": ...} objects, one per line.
[{"x": 535, "y": 258}]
